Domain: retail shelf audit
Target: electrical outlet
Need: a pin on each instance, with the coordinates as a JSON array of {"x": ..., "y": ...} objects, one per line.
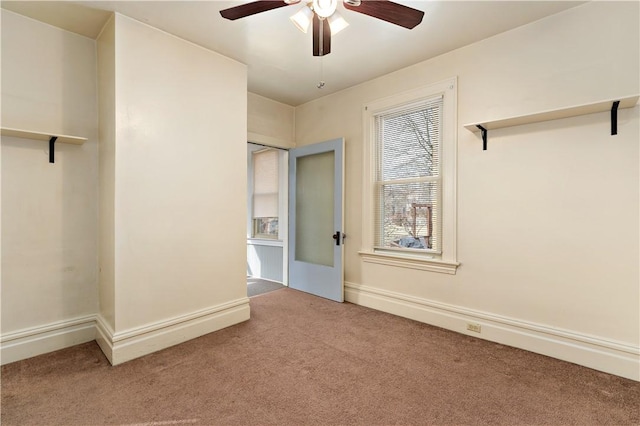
[{"x": 474, "y": 327}]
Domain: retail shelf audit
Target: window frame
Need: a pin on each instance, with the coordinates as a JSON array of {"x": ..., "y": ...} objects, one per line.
[{"x": 446, "y": 261}]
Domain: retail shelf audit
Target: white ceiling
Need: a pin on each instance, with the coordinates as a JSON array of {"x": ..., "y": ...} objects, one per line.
[{"x": 279, "y": 56}]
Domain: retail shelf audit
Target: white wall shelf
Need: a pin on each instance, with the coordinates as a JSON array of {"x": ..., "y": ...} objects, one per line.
[
  {"x": 52, "y": 138},
  {"x": 609, "y": 105}
]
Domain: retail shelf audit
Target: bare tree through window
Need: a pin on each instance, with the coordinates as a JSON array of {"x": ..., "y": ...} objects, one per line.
[{"x": 409, "y": 176}]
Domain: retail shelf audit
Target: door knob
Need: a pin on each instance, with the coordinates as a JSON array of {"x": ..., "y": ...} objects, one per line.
[{"x": 336, "y": 237}]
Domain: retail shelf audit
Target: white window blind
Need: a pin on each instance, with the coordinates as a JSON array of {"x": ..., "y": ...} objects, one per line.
[
  {"x": 408, "y": 177},
  {"x": 265, "y": 183}
]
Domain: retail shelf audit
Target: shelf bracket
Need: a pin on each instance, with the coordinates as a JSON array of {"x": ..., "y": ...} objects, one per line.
[
  {"x": 614, "y": 118},
  {"x": 484, "y": 137},
  {"x": 52, "y": 145}
]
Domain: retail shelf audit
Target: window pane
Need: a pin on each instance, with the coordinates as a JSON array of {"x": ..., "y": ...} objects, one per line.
[
  {"x": 408, "y": 216},
  {"x": 265, "y": 227},
  {"x": 409, "y": 142}
]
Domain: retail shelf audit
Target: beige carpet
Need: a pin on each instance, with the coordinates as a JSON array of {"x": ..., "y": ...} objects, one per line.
[{"x": 305, "y": 360}]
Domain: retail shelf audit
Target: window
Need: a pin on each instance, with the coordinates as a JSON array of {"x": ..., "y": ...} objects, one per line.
[
  {"x": 265, "y": 227},
  {"x": 409, "y": 179},
  {"x": 265, "y": 194}
]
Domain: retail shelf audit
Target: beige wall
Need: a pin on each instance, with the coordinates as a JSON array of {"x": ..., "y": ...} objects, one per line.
[
  {"x": 269, "y": 122},
  {"x": 107, "y": 178},
  {"x": 180, "y": 160},
  {"x": 172, "y": 123},
  {"x": 548, "y": 216},
  {"x": 49, "y": 211}
]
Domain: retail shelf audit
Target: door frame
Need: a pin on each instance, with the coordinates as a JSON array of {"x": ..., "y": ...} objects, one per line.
[{"x": 283, "y": 206}]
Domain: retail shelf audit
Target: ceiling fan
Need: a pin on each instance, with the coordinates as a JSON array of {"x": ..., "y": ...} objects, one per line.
[{"x": 326, "y": 20}]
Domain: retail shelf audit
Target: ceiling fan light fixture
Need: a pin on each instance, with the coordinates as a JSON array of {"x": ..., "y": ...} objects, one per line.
[
  {"x": 302, "y": 19},
  {"x": 324, "y": 8},
  {"x": 337, "y": 23}
]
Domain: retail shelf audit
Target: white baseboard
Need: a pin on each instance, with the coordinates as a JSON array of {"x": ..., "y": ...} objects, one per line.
[
  {"x": 123, "y": 346},
  {"x": 35, "y": 341},
  {"x": 616, "y": 358},
  {"x": 134, "y": 343}
]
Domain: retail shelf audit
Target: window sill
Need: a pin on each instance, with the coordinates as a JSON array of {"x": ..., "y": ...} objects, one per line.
[
  {"x": 264, "y": 242},
  {"x": 411, "y": 262}
]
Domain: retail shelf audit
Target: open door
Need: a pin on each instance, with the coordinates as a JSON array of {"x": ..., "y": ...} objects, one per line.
[{"x": 316, "y": 216}]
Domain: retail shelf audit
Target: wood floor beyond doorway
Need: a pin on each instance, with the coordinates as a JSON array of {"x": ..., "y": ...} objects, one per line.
[{"x": 256, "y": 286}]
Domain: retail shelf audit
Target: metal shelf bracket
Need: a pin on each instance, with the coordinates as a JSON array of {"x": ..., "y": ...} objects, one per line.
[
  {"x": 484, "y": 137},
  {"x": 614, "y": 118},
  {"x": 52, "y": 147}
]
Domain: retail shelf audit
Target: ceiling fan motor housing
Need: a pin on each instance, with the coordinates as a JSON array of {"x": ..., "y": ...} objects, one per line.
[
  {"x": 324, "y": 8},
  {"x": 352, "y": 2}
]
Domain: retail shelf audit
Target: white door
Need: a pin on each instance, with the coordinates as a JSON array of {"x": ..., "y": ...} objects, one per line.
[{"x": 316, "y": 238}]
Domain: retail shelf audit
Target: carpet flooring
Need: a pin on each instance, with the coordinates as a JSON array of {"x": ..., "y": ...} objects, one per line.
[{"x": 302, "y": 360}]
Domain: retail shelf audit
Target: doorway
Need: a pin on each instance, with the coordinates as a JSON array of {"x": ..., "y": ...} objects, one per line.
[
  {"x": 295, "y": 218},
  {"x": 267, "y": 218}
]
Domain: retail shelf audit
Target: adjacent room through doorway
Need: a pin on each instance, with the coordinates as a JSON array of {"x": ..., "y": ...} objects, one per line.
[{"x": 267, "y": 180}]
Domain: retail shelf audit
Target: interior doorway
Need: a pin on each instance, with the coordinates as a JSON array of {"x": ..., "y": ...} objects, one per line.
[{"x": 267, "y": 218}]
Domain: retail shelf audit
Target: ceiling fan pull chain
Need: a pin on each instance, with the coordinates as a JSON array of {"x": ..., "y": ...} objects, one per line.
[{"x": 321, "y": 83}]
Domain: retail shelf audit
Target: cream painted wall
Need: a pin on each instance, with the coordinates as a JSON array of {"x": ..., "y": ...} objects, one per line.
[
  {"x": 171, "y": 229},
  {"x": 180, "y": 159},
  {"x": 107, "y": 178},
  {"x": 548, "y": 216},
  {"x": 49, "y": 211},
  {"x": 269, "y": 122}
]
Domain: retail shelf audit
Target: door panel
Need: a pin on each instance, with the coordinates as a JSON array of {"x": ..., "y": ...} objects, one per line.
[
  {"x": 315, "y": 216},
  {"x": 314, "y": 208}
]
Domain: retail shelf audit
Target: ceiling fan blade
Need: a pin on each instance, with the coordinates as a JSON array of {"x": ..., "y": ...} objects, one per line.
[
  {"x": 252, "y": 8},
  {"x": 321, "y": 36},
  {"x": 389, "y": 11}
]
